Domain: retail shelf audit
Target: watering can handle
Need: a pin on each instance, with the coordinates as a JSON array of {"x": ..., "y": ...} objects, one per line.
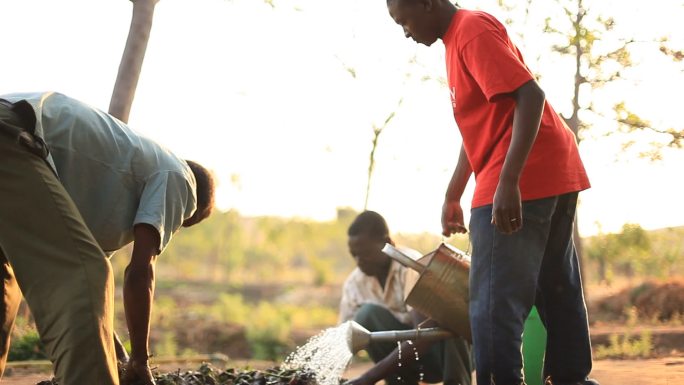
[{"x": 402, "y": 258}]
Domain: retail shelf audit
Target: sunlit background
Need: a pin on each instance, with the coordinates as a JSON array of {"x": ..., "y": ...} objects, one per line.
[{"x": 280, "y": 100}]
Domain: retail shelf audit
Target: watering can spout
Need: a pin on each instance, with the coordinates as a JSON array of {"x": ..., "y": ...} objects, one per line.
[
  {"x": 358, "y": 337},
  {"x": 402, "y": 258}
]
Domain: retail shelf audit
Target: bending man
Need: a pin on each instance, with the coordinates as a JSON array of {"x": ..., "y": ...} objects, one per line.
[{"x": 79, "y": 184}]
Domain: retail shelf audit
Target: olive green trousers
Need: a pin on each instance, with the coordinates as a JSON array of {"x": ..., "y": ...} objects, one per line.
[{"x": 48, "y": 254}]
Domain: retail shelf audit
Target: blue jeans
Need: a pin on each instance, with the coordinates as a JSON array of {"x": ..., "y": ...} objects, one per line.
[{"x": 538, "y": 266}]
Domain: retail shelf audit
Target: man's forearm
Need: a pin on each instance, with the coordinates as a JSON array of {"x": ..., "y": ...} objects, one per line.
[
  {"x": 460, "y": 177},
  {"x": 138, "y": 295},
  {"x": 526, "y": 120},
  {"x": 139, "y": 289}
]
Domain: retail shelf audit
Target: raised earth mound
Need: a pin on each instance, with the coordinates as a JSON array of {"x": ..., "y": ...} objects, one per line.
[{"x": 661, "y": 301}]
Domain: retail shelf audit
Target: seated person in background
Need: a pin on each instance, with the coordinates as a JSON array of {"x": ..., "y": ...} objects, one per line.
[{"x": 373, "y": 296}]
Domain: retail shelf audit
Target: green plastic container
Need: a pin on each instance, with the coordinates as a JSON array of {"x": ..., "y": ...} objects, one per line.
[{"x": 534, "y": 346}]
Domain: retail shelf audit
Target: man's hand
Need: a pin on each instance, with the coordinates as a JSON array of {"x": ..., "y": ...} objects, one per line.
[
  {"x": 452, "y": 218},
  {"x": 137, "y": 373},
  {"x": 507, "y": 208},
  {"x": 452, "y": 213},
  {"x": 359, "y": 381}
]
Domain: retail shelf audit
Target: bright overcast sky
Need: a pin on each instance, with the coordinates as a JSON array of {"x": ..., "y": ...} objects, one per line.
[{"x": 263, "y": 97}]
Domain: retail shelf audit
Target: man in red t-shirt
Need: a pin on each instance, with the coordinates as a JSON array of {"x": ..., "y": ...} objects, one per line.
[{"x": 528, "y": 174}]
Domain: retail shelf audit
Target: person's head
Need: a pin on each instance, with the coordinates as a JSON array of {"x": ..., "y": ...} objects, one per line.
[
  {"x": 205, "y": 193},
  {"x": 368, "y": 234},
  {"x": 424, "y": 21}
]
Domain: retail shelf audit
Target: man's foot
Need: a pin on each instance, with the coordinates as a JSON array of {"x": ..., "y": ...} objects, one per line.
[{"x": 588, "y": 381}]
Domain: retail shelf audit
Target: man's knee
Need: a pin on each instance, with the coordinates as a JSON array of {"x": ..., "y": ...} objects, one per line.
[{"x": 369, "y": 314}]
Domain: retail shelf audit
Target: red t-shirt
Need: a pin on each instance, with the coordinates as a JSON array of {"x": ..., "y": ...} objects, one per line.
[{"x": 483, "y": 65}]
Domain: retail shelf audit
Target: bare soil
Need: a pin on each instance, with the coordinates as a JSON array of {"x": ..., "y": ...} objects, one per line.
[
  {"x": 667, "y": 371},
  {"x": 662, "y": 371},
  {"x": 652, "y": 300}
]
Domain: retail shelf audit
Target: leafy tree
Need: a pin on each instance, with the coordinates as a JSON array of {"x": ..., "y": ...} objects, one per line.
[
  {"x": 231, "y": 249},
  {"x": 667, "y": 252},
  {"x": 600, "y": 58},
  {"x": 636, "y": 251},
  {"x": 635, "y": 248},
  {"x": 600, "y": 55},
  {"x": 602, "y": 250}
]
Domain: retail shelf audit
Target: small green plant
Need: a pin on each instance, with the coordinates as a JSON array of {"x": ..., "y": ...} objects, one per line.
[
  {"x": 627, "y": 345},
  {"x": 624, "y": 346},
  {"x": 26, "y": 345}
]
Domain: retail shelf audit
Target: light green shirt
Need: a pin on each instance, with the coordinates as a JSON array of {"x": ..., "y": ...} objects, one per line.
[{"x": 116, "y": 177}]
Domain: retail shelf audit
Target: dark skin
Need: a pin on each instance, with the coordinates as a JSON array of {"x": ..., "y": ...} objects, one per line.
[
  {"x": 425, "y": 21},
  {"x": 390, "y": 364},
  {"x": 452, "y": 213},
  {"x": 139, "y": 283},
  {"x": 138, "y": 294},
  {"x": 367, "y": 252}
]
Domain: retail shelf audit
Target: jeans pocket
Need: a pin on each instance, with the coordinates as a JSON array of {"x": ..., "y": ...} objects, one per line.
[{"x": 539, "y": 211}]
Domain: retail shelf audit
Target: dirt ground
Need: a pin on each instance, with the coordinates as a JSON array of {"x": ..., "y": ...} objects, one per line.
[
  {"x": 668, "y": 371},
  {"x": 663, "y": 371}
]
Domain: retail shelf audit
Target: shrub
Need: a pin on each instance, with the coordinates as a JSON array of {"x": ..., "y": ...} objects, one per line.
[
  {"x": 26, "y": 345},
  {"x": 268, "y": 332}
]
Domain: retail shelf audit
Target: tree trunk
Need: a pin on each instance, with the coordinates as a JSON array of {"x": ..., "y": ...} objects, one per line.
[
  {"x": 127, "y": 81},
  {"x": 132, "y": 59},
  {"x": 574, "y": 121}
]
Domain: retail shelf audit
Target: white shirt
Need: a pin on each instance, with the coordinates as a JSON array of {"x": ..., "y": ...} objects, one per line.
[{"x": 360, "y": 289}]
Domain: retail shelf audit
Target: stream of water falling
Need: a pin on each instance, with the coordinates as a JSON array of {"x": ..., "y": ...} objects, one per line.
[{"x": 325, "y": 354}]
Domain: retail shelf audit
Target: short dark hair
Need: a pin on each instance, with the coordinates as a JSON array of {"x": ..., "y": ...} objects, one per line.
[
  {"x": 369, "y": 223},
  {"x": 206, "y": 187}
]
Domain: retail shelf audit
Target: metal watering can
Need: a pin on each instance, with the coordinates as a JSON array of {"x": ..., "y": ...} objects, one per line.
[{"x": 441, "y": 291}]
